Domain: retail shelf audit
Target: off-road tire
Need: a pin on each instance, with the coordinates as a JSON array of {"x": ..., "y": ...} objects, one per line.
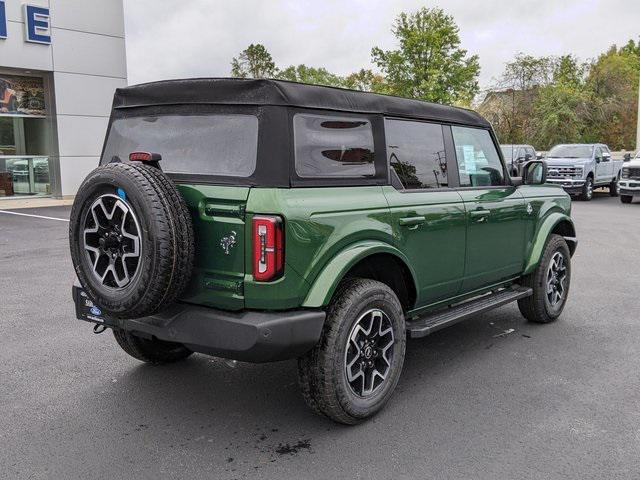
[
  {"x": 152, "y": 351},
  {"x": 614, "y": 188},
  {"x": 167, "y": 239},
  {"x": 626, "y": 198},
  {"x": 535, "y": 308},
  {"x": 587, "y": 190},
  {"x": 321, "y": 372}
]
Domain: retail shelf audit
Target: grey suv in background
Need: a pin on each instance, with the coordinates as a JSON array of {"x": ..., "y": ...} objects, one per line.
[
  {"x": 580, "y": 168},
  {"x": 517, "y": 155}
]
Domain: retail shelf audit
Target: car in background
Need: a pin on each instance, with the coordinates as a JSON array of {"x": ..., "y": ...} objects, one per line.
[
  {"x": 630, "y": 179},
  {"x": 517, "y": 155},
  {"x": 580, "y": 168}
]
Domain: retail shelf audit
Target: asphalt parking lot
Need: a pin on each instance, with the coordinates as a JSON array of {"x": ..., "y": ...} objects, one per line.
[{"x": 553, "y": 401}]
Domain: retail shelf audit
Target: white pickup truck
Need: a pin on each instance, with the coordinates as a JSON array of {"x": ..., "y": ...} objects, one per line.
[
  {"x": 630, "y": 179},
  {"x": 580, "y": 168}
]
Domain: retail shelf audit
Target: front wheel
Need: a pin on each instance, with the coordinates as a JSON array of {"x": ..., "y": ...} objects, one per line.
[
  {"x": 353, "y": 370},
  {"x": 614, "y": 188},
  {"x": 626, "y": 198},
  {"x": 587, "y": 190},
  {"x": 550, "y": 282}
]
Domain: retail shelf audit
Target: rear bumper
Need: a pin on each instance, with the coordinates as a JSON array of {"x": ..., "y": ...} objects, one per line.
[{"x": 249, "y": 336}]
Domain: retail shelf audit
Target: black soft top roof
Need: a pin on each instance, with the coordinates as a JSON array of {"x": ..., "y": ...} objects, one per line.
[{"x": 238, "y": 91}]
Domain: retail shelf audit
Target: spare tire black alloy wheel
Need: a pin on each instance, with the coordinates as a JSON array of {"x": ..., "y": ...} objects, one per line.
[
  {"x": 131, "y": 240},
  {"x": 112, "y": 240}
]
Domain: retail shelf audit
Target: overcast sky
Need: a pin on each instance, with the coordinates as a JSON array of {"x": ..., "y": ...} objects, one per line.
[{"x": 191, "y": 38}]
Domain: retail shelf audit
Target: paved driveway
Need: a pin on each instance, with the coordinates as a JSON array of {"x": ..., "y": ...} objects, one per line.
[{"x": 555, "y": 401}]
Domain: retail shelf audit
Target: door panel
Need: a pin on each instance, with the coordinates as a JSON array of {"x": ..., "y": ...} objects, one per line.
[
  {"x": 429, "y": 228},
  {"x": 495, "y": 236}
]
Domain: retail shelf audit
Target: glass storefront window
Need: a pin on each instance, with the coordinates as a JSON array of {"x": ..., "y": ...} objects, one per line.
[{"x": 25, "y": 135}]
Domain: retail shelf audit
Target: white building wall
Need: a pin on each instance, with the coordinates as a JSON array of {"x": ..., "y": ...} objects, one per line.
[
  {"x": 88, "y": 60},
  {"x": 89, "y": 63}
]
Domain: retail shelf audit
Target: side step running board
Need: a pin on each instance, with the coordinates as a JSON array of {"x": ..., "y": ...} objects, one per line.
[{"x": 425, "y": 325}]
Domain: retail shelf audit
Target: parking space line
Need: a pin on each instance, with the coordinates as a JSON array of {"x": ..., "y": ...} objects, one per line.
[{"x": 36, "y": 216}]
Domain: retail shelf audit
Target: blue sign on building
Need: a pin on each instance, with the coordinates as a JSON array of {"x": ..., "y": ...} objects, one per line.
[
  {"x": 37, "y": 25},
  {"x": 36, "y": 20},
  {"x": 3, "y": 20}
]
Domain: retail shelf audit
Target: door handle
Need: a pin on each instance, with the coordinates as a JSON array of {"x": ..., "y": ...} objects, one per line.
[
  {"x": 412, "y": 221},
  {"x": 480, "y": 215}
]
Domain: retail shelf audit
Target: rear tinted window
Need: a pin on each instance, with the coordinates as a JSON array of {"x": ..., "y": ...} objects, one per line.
[
  {"x": 217, "y": 144},
  {"x": 332, "y": 146}
]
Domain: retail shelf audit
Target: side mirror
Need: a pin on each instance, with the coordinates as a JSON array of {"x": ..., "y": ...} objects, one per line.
[
  {"x": 539, "y": 156},
  {"x": 598, "y": 159},
  {"x": 606, "y": 157},
  {"x": 534, "y": 172},
  {"x": 627, "y": 157}
]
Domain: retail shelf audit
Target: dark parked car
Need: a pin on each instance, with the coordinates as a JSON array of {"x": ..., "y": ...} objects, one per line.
[{"x": 516, "y": 156}]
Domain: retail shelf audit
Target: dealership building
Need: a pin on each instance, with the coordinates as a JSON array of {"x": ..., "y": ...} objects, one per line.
[{"x": 60, "y": 62}]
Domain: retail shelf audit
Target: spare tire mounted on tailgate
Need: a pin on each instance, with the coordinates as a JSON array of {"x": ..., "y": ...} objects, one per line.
[{"x": 131, "y": 239}]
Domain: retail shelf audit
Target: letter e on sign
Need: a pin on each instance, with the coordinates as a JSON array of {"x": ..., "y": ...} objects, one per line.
[
  {"x": 3, "y": 20},
  {"x": 36, "y": 24}
]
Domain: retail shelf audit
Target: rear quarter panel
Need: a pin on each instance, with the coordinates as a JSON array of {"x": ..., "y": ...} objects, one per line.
[{"x": 319, "y": 223}]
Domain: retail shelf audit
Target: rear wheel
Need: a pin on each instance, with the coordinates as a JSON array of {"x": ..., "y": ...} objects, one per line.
[
  {"x": 614, "y": 188},
  {"x": 353, "y": 370},
  {"x": 626, "y": 198},
  {"x": 550, "y": 282},
  {"x": 150, "y": 350},
  {"x": 587, "y": 190}
]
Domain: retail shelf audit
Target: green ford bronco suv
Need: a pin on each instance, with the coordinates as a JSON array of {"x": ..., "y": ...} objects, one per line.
[{"x": 262, "y": 220}]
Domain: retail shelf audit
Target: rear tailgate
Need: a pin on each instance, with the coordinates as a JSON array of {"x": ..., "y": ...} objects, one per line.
[{"x": 218, "y": 214}]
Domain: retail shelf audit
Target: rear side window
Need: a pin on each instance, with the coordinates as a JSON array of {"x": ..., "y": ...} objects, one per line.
[
  {"x": 333, "y": 146},
  {"x": 213, "y": 144},
  {"x": 478, "y": 162},
  {"x": 416, "y": 153}
]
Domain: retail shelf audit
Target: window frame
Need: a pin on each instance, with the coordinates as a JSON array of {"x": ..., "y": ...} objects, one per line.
[
  {"x": 381, "y": 176},
  {"x": 505, "y": 176},
  {"x": 449, "y": 150},
  {"x": 270, "y": 121}
]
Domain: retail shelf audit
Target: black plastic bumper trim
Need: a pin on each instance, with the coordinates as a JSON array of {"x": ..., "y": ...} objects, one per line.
[{"x": 249, "y": 336}]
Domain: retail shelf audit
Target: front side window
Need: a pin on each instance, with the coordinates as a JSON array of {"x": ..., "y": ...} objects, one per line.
[
  {"x": 216, "y": 144},
  {"x": 416, "y": 153},
  {"x": 333, "y": 146},
  {"x": 479, "y": 164}
]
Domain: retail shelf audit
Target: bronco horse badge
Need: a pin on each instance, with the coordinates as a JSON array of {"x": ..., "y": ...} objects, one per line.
[{"x": 228, "y": 241}]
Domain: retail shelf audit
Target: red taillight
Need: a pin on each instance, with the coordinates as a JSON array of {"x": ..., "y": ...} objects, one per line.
[
  {"x": 144, "y": 157},
  {"x": 268, "y": 247}
]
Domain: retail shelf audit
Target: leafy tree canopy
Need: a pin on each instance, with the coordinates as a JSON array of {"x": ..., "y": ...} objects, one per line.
[
  {"x": 429, "y": 63},
  {"x": 253, "y": 62}
]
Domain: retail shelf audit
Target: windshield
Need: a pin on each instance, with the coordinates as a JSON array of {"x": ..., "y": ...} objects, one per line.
[
  {"x": 508, "y": 151},
  {"x": 219, "y": 144},
  {"x": 570, "y": 151}
]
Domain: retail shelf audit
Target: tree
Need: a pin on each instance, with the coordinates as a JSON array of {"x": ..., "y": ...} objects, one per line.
[
  {"x": 560, "y": 115},
  {"x": 613, "y": 85},
  {"x": 311, "y": 75},
  {"x": 253, "y": 62},
  {"x": 429, "y": 63},
  {"x": 366, "y": 81}
]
